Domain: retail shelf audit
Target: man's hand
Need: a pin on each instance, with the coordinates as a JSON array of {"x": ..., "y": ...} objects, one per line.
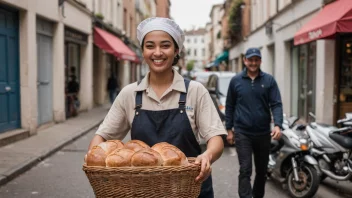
[
  {"x": 276, "y": 133},
  {"x": 205, "y": 170},
  {"x": 230, "y": 137}
]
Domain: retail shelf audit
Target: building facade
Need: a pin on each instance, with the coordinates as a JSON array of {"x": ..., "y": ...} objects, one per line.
[
  {"x": 195, "y": 47},
  {"x": 55, "y": 39},
  {"x": 311, "y": 75},
  {"x": 163, "y": 8}
]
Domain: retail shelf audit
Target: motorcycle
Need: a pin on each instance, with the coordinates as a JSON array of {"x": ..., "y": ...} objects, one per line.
[
  {"x": 290, "y": 162},
  {"x": 332, "y": 148}
]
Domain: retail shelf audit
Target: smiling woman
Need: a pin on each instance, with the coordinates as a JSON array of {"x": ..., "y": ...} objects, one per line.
[{"x": 165, "y": 107}]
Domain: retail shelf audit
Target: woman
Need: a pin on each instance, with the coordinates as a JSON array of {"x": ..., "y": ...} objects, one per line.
[{"x": 164, "y": 107}]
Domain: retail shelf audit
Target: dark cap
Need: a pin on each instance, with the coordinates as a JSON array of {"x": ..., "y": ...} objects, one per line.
[{"x": 253, "y": 52}]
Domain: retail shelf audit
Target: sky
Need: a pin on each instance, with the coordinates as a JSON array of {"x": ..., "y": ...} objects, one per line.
[{"x": 192, "y": 13}]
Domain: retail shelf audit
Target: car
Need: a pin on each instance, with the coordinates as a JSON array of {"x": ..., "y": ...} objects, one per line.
[{"x": 217, "y": 84}]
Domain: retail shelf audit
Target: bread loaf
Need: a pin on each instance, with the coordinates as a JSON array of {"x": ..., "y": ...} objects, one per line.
[
  {"x": 111, "y": 145},
  {"x": 119, "y": 158},
  {"x": 96, "y": 156},
  {"x": 146, "y": 157},
  {"x": 171, "y": 155},
  {"x": 136, "y": 145}
]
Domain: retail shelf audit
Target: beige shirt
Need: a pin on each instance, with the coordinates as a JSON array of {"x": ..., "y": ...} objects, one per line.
[{"x": 200, "y": 109}]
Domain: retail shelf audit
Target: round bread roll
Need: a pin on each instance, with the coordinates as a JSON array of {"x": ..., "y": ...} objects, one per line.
[
  {"x": 111, "y": 145},
  {"x": 146, "y": 157},
  {"x": 160, "y": 145},
  {"x": 172, "y": 156},
  {"x": 136, "y": 145},
  {"x": 119, "y": 158},
  {"x": 96, "y": 156}
]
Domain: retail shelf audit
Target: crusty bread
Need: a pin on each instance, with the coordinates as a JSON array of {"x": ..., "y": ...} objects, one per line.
[
  {"x": 171, "y": 155},
  {"x": 146, "y": 157},
  {"x": 160, "y": 145},
  {"x": 119, "y": 158},
  {"x": 136, "y": 145},
  {"x": 96, "y": 156},
  {"x": 111, "y": 145}
]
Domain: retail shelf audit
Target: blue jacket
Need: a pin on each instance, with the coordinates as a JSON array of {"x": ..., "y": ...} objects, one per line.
[{"x": 250, "y": 103}]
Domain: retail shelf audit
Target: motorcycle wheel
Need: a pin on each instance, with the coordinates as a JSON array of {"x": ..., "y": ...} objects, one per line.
[{"x": 308, "y": 185}]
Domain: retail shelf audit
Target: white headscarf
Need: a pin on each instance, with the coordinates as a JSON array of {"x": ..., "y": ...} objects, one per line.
[{"x": 164, "y": 24}]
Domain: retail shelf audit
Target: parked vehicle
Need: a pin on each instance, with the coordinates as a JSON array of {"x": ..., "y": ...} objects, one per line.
[
  {"x": 290, "y": 162},
  {"x": 218, "y": 85},
  {"x": 332, "y": 148}
]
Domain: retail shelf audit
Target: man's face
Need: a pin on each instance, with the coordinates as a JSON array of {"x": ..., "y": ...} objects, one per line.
[{"x": 253, "y": 63}]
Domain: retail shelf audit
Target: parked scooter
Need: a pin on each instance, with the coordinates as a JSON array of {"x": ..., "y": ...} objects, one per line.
[
  {"x": 290, "y": 161},
  {"x": 332, "y": 149}
]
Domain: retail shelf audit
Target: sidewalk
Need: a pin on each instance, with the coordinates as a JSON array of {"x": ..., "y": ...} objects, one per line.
[{"x": 20, "y": 156}]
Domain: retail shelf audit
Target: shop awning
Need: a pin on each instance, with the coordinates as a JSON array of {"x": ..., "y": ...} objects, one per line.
[
  {"x": 212, "y": 64},
  {"x": 334, "y": 17},
  {"x": 222, "y": 57},
  {"x": 113, "y": 45}
]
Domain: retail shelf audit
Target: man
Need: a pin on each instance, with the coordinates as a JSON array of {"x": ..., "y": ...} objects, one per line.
[
  {"x": 251, "y": 95},
  {"x": 112, "y": 88}
]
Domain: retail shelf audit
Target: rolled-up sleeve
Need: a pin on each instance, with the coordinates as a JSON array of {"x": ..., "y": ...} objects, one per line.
[
  {"x": 207, "y": 118},
  {"x": 115, "y": 125}
]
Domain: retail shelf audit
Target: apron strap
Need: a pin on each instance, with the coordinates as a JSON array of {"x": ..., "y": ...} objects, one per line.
[
  {"x": 139, "y": 99},
  {"x": 183, "y": 96}
]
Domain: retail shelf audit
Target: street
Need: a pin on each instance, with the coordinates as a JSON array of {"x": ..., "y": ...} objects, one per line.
[{"x": 61, "y": 175}]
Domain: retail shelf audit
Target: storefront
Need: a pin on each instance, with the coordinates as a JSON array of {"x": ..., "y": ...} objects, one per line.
[
  {"x": 111, "y": 56},
  {"x": 345, "y": 75},
  {"x": 74, "y": 41},
  {"x": 303, "y": 78},
  {"x": 333, "y": 22}
]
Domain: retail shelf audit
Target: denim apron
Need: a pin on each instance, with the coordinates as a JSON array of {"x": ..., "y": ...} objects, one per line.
[{"x": 170, "y": 126}]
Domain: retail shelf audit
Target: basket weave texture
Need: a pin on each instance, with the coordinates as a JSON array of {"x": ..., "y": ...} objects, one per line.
[{"x": 146, "y": 182}]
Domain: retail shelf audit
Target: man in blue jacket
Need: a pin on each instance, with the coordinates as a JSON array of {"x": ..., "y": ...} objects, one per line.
[{"x": 252, "y": 97}]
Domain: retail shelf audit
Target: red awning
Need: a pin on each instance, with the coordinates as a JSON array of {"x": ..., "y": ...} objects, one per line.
[
  {"x": 113, "y": 45},
  {"x": 334, "y": 17}
]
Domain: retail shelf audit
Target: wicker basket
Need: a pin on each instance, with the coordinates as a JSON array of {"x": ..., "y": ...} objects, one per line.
[{"x": 146, "y": 182}]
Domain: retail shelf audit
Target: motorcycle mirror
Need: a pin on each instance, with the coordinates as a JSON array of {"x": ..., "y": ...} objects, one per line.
[{"x": 312, "y": 115}]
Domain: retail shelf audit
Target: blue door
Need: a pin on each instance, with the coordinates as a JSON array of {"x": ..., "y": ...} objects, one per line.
[{"x": 9, "y": 70}]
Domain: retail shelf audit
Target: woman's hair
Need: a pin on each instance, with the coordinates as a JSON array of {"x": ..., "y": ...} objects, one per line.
[{"x": 176, "y": 58}]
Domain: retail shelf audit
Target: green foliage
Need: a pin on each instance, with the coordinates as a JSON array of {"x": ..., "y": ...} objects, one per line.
[
  {"x": 235, "y": 18},
  {"x": 218, "y": 36},
  {"x": 99, "y": 16},
  {"x": 190, "y": 65}
]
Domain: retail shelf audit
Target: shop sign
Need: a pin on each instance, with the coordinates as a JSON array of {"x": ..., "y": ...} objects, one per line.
[
  {"x": 75, "y": 36},
  {"x": 315, "y": 34}
]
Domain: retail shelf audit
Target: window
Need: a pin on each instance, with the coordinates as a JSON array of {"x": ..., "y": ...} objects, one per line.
[
  {"x": 202, "y": 40},
  {"x": 203, "y": 52},
  {"x": 188, "y": 41},
  {"x": 195, "y": 40},
  {"x": 131, "y": 27},
  {"x": 125, "y": 21},
  {"x": 303, "y": 70},
  {"x": 188, "y": 52},
  {"x": 195, "y": 52}
]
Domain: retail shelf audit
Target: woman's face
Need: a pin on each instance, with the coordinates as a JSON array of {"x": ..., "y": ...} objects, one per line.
[{"x": 159, "y": 51}]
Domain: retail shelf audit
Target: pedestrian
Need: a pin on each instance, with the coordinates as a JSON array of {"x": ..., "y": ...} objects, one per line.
[
  {"x": 112, "y": 88},
  {"x": 165, "y": 107},
  {"x": 72, "y": 96},
  {"x": 253, "y": 96}
]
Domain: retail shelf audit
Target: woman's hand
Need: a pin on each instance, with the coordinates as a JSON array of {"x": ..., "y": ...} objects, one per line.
[{"x": 204, "y": 160}]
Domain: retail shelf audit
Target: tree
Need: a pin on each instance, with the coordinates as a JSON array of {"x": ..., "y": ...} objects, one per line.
[{"x": 189, "y": 67}]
